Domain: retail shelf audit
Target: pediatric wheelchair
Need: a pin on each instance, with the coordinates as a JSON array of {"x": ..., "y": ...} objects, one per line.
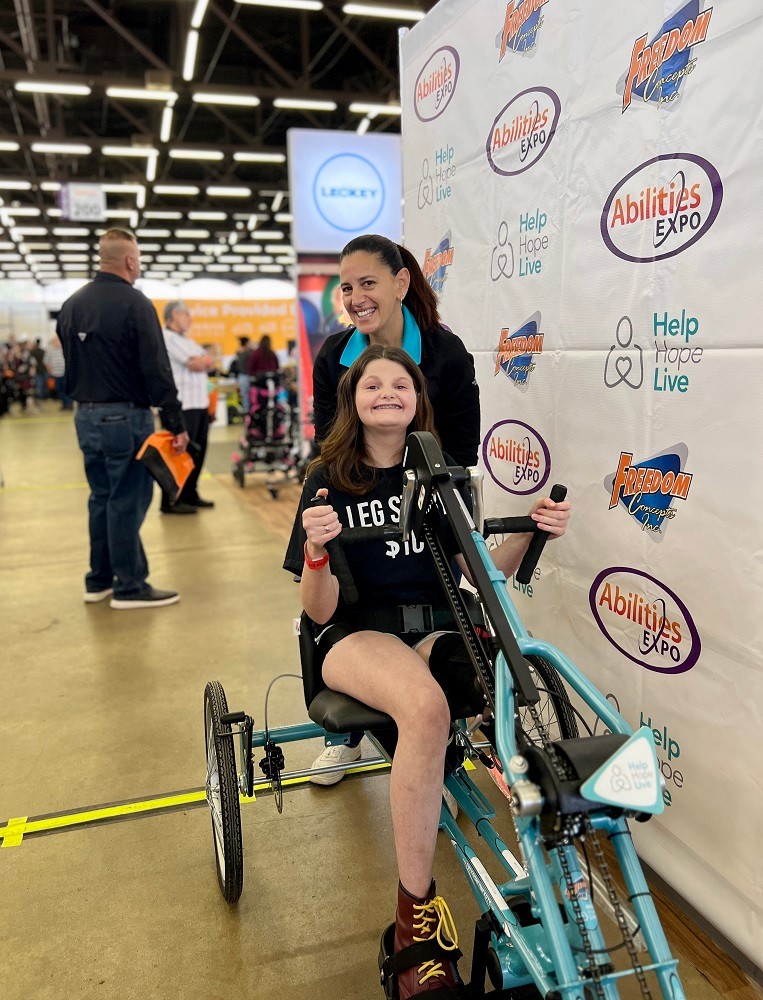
[{"x": 539, "y": 934}]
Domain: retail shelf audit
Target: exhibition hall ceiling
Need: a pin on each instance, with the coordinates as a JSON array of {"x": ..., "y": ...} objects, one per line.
[{"x": 179, "y": 110}]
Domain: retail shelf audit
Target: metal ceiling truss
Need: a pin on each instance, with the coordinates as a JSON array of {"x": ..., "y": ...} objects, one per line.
[{"x": 260, "y": 52}]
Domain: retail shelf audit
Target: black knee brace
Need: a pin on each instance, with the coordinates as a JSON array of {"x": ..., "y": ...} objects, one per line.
[{"x": 453, "y": 670}]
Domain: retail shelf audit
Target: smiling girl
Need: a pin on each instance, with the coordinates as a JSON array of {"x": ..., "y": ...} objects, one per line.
[{"x": 361, "y": 647}]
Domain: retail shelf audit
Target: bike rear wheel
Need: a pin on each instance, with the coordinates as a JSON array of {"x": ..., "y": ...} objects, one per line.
[
  {"x": 554, "y": 707},
  {"x": 222, "y": 794}
]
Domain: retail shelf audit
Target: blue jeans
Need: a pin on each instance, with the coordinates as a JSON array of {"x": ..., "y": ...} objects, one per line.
[
  {"x": 244, "y": 383},
  {"x": 60, "y": 383},
  {"x": 120, "y": 494},
  {"x": 41, "y": 385}
]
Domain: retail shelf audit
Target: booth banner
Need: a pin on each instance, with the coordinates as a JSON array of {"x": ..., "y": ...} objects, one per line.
[
  {"x": 321, "y": 313},
  {"x": 583, "y": 191},
  {"x": 218, "y": 324}
]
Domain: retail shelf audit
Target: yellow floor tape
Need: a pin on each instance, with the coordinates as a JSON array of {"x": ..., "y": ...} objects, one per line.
[{"x": 13, "y": 833}]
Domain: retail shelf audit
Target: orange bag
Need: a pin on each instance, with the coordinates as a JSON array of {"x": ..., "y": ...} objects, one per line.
[
  {"x": 169, "y": 470},
  {"x": 212, "y": 408}
]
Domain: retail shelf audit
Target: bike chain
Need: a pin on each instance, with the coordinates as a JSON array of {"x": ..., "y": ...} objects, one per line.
[
  {"x": 565, "y": 838},
  {"x": 573, "y": 827}
]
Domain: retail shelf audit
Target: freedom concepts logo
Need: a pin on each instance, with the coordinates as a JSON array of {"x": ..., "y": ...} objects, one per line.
[
  {"x": 522, "y": 131},
  {"x": 514, "y": 356},
  {"x": 436, "y": 83},
  {"x": 647, "y": 490},
  {"x": 349, "y": 192},
  {"x": 644, "y": 620},
  {"x": 658, "y": 69},
  {"x": 436, "y": 265},
  {"x": 521, "y": 26},
  {"x": 516, "y": 457},
  {"x": 661, "y": 207}
]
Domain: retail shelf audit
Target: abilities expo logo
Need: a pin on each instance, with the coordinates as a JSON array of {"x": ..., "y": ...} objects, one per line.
[
  {"x": 661, "y": 208},
  {"x": 436, "y": 83},
  {"x": 521, "y": 25},
  {"x": 522, "y": 131},
  {"x": 516, "y": 457},
  {"x": 647, "y": 490},
  {"x": 348, "y": 192},
  {"x": 515, "y": 353},
  {"x": 644, "y": 620},
  {"x": 437, "y": 264},
  {"x": 658, "y": 69}
]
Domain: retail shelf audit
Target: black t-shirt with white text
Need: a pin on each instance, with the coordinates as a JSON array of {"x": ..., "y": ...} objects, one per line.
[{"x": 386, "y": 572}]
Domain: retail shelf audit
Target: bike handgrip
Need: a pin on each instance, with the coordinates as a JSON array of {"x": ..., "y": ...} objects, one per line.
[
  {"x": 507, "y": 525},
  {"x": 383, "y": 532},
  {"x": 338, "y": 561},
  {"x": 539, "y": 539}
]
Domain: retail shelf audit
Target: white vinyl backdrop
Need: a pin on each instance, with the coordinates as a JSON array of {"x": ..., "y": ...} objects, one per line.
[{"x": 583, "y": 189}]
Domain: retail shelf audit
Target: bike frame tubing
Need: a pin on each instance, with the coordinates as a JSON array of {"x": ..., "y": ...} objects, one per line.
[{"x": 543, "y": 890}]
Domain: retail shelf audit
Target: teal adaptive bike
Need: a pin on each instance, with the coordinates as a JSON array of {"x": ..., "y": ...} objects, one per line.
[{"x": 571, "y": 797}]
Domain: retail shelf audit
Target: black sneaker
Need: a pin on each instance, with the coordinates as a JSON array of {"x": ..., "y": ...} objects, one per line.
[
  {"x": 179, "y": 508},
  {"x": 148, "y": 598},
  {"x": 198, "y": 502}
]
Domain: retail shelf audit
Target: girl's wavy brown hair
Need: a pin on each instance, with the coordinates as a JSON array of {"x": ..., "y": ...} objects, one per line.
[{"x": 343, "y": 452}]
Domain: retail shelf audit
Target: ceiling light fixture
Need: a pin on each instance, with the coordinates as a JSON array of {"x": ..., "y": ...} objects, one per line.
[
  {"x": 70, "y": 231},
  {"x": 179, "y": 189},
  {"x": 162, "y": 215},
  {"x": 141, "y": 94},
  {"x": 227, "y": 191},
  {"x": 157, "y": 234},
  {"x": 151, "y": 169},
  {"x": 149, "y": 151},
  {"x": 285, "y": 4},
  {"x": 359, "y": 108},
  {"x": 236, "y": 100},
  {"x": 267, "y": 234},
  {"x": 207, "y": 216},
  {"x": 9, "y": 147},
  {"x": 259, "y": 157},
  {"x": 26, "y": 210},
  {"x": 301, "y": 104},
  {"x": 192, "y": 234},
  {"x": 284, "y": 217},
  {"x": 165, "y": 129},
  {"x": 6, "y": 185},
  {"x": 52, "y": 87},
  {"x": 72, "y": 148},
  {"x": 189, "y": 63},
  {"x": 198, "y": 13},
  {"x": 195, "y": 154},
  {"x": 363, "y": 126},
  {"x": 393, "y": 13}
]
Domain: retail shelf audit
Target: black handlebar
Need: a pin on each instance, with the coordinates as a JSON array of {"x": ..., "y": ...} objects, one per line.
[
  {"x": 538, "y": 541},
  {"x": 507, "y": 525}
]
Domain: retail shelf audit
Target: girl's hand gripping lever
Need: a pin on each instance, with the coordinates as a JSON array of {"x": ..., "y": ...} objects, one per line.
[
  {"x": 537, "y": 542},
  {"x": 338, "y": 561}
]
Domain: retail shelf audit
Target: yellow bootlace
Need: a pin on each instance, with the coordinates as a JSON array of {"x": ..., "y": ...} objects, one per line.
[{"x": 446, "y": 934}]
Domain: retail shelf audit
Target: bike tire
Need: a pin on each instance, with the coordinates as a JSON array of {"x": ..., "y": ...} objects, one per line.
[
  {"x": 554, "y": 706},
  {"x": 222, "y": 795}
]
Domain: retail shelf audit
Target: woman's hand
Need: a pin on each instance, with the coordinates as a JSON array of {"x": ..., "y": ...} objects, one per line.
[
  {"x": 550, "y": 516},
  {"x": 321, "y": 524}
]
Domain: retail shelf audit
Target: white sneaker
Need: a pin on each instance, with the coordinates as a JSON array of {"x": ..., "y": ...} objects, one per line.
[
  {"x": 450, "y": 802},
  {"x": 340, "y": 754}
]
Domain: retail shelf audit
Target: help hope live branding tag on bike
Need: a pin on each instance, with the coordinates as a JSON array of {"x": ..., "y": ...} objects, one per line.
[{"x": 630, "y": 778}]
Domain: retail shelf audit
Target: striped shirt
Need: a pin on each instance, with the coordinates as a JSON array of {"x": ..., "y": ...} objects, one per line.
[{"x": 192, "y": 387}]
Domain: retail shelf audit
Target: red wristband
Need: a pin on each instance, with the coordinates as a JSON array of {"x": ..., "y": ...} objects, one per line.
[{"x": 315, "y": 563}]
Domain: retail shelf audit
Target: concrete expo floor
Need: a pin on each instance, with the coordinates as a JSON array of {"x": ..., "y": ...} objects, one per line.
[{"x": 100, "y": 706}]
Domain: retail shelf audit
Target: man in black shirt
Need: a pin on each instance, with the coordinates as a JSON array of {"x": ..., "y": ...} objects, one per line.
[{"x": 116, "y": 368}]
